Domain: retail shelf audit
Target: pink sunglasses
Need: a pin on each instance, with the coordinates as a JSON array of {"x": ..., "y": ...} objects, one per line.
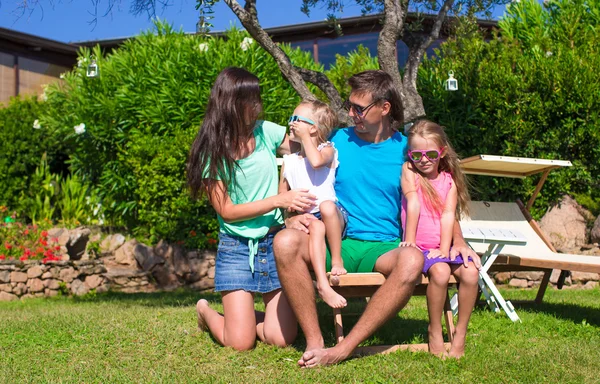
[{"x": 432, "y": 154}]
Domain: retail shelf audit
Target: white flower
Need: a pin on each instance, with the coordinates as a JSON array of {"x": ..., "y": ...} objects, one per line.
[
  {"x": 203, "y": 47},
  {"x": 246, "y": 43},
  {"x": 79, "y": 129},
  {"x": 549, "y": 53},
  {"x": 62, "y": 76},
  {"x": 43, "y": 96},
  {"x": 81, "y": 61},
  {"x": 36, "y": 124}
]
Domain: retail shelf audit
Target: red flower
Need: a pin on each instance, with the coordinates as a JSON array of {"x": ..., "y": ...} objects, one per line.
[
  {"x": 212, "y": 241},
  {"x": 26, "y": 232},
  {"x": 2, "y": 257},
  {"x": 193, "y": 233},
  {"x": 39, "y": 250},
  {"x": 44, "y": 242},
  {"x": 27, "y": 251},
  {"x": 44, "y": 233},
  {"x": 55, "y": 239},
  {"x": 23, "y": 258},
  {"x": 7, "y": 245},
  {"x": 57, "y": 247}
]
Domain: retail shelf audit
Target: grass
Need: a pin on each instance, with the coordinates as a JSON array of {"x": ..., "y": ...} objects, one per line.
[{"x": 119, "y": 338}]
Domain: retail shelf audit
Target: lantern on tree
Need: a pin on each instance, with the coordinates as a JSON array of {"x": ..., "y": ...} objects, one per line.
[{"x": 451, "y": 84}]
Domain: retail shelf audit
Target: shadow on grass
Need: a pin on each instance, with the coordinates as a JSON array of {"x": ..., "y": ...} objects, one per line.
[
  {"x": 396, "y": 331},
  {"x": 573, "y": 312}
]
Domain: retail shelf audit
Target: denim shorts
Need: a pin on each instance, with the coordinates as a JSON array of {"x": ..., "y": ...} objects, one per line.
[
  {"x": 232, "y": 270},
  {"x": 344, "y": 218}
]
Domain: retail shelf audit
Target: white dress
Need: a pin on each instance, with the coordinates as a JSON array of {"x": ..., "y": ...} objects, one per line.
[{"x": 300, "y": 174}]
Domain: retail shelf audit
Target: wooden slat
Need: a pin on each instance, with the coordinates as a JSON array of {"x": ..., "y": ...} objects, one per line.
[{"x": 369, "y": 279}]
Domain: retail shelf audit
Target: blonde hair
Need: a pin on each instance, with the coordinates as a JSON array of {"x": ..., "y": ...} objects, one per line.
[
  {"x": 449, "y": 163},
  {"x": 325, "y": 118}
]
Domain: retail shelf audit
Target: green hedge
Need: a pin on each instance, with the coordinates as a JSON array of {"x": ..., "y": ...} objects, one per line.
[
  {"x": 141, "y": 115},
  {"x": 22, "y": 147}
]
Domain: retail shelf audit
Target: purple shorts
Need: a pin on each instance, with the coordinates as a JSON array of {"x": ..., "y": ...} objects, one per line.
[{"x": 429, "y": 262}]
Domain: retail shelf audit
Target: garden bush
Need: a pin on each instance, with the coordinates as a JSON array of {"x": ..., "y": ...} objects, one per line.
[
  {"x": 531, "y": 91},
  {"x": 137, "y": 121},
  {"x": 23, "y": 143}
]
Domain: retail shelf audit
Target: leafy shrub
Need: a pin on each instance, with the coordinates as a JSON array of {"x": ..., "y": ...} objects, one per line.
[
  {"x": 141, "y": 116},
  {"x": 23, "y": 142},
  {"x": 27, "y": 242},
  {"x": 532, "y": 92}
]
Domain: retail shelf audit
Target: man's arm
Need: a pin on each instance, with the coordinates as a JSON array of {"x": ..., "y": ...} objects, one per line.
[{"x": 460, "y": 247}]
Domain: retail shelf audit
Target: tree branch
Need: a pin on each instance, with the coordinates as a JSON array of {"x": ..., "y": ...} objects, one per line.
[
  {"x": 394, "y": 14},
  {"x": 324, "y": 84}
]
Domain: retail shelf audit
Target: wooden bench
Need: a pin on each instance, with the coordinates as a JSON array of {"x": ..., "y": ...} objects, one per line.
[{"x": 365, "y": 285}]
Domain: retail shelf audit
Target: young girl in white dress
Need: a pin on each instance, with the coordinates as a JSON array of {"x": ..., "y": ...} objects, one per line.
[{"x": 314, "y": 168}]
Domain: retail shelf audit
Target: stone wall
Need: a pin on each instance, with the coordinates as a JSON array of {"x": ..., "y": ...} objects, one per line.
[{"x": 124, "y": 266}]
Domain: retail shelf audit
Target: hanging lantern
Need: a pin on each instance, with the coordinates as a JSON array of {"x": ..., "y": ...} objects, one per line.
[
  {"x": 92, "y": 69},
  {"x": 451, "y": 83}
]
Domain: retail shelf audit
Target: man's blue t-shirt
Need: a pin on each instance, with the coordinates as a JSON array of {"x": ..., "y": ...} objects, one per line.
[{"x": 367, "y": 184}]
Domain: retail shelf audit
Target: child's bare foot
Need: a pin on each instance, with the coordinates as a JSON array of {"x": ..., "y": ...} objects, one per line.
[
  {"x": 201, "y": 305},
  {"x": 457, "y": 350},
  {"x": 331, "y": 297},
  {"x": 436, "y": 343},
  {"x": 337, "y": 270}
]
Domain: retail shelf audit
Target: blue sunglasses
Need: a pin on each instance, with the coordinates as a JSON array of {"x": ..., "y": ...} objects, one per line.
[{"x": 300, "y": 118}]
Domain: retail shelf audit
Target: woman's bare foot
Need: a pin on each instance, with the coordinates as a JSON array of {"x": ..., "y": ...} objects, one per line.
[
  {"x": 457, "y": 350},
  {"x": 331, "y": 297},
  {"x": 201, "y": 306},
  {"x": 436, "y": 343}
]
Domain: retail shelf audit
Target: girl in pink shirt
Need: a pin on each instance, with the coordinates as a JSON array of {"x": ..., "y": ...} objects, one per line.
[{"x": 435, "y": 194}]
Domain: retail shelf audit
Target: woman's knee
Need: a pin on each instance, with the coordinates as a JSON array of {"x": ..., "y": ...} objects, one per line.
[{"x": 242, "y": 345}]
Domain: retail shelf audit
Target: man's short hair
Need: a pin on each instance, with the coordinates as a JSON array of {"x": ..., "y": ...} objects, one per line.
[{"x": 380, "y": 86}]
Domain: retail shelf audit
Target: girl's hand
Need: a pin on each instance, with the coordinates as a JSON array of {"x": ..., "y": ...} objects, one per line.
[
  {"x": 407, "y": 244},
  {"x": 296, "y": 200},
  {"x": 436, "y": 253},
  {"x": 300, "y": 131}
]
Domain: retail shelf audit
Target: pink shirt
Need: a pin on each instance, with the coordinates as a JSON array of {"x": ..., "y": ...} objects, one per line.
[{"x": 429, "y": 226}]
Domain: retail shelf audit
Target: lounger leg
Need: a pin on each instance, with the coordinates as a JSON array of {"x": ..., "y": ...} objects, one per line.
[
  {"x": 449, "y": 317},
  {"x": 337, "y": 322},
  {"x": 543, "y": 286}
]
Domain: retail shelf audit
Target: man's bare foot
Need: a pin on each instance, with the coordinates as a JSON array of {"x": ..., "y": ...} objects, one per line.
[
  {"x": 457, "y": 349},
  {"x": 321, "y": 357},
  {"x": 337, "y": 270},
  {"x": 436, "y": 343},
  {"x": 331, "y": 297},
  {"x": 201, "y": 306}
]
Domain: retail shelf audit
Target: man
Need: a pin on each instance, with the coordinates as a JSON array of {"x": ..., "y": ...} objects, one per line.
[{"x": 371, "y": 155}]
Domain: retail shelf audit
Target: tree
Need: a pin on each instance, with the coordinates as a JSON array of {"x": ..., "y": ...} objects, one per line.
[{"x": 394, "y": 27}]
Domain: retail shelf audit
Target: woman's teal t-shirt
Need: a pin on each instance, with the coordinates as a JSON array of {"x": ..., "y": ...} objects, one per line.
[{"x": 256, "y": 179}]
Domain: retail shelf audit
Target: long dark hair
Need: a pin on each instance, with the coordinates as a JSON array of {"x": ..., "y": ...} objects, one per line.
[{"x": 231, "y": 113}]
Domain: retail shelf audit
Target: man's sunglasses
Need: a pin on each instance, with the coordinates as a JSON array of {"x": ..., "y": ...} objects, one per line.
[
  {"x": 300, "y": 118},
  {"x": 432, "y": 154},
  {"x": 360, "y": 111}
]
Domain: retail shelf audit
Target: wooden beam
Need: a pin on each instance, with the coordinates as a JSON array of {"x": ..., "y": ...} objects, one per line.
[{"x": 538, "y": 188}]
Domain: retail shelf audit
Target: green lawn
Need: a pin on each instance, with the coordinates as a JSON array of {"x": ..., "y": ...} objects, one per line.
[{"x": 153, "y": 338}]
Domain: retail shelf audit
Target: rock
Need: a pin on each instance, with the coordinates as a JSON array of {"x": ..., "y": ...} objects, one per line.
[
  {"x": 591, "y": 285},
  {"x": 50, "y": 293},
  {"x": 582, "y": 277},
  {"x": 62, "y": 234},
  {"x": 34, "y": 272},
  {"x": 68, "y": 274},
  {"x": 565, "y": 224},
  {"x": 111, "y": 243},
  {"x": 6, "y": 287},
  {"x": 203, "y": 284},
  {"x": 52, "y": 273},
  {"x": 18, "y": 277},
  {"x": 519, "y": 283},
  {"x": 145, "y": 257},
  {"x": 124, "y": 255},
  {"x": 19, "y": 289},
  {"x": 103, "y": 288},
  {"x": 503, "y": 277},
  {"x": 211, "y": 273},
  {"x": 5, "y": 296},
  {"x": 181, "y": 263},
  {"x": 595, "y": 233},
  {"x": 93, "y": 281},
  {"x": 35, "y": 285},
  {"x": 165, "y": 277},
  {"x": 78, "y": 239},
  {"x": 52, "y": 284},
  {"x": 78, "y": 288},
  {"x": 27, "y": 296},
  {"x": 4, "y": 276},
  {"x": 530, "y": 275}
]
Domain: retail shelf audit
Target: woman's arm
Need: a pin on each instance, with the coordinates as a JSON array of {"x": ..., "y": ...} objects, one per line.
[
  {"x": 298, "y": 199},
  {"x": 413, "y": 207},
  {"x": 284, "y": 186},
  {"x": 447, "y": 221},
  {"x": 287, "y": 146}
]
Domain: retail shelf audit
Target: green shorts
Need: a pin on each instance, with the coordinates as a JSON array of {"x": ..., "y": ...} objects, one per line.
[{"x": 361, "y": 255}]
